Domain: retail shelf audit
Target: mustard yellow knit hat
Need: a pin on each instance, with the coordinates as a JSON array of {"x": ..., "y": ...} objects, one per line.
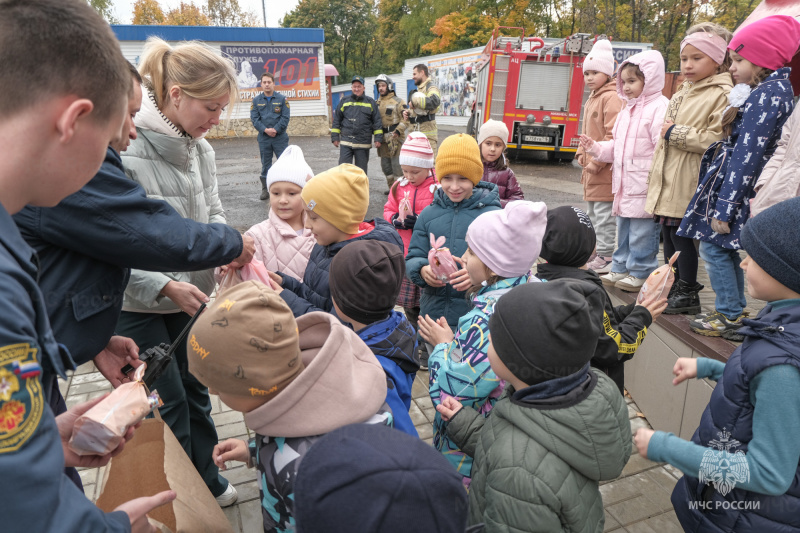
[
  {"x": 459, "y": 154},
  {"x": 339, "y": 195}
]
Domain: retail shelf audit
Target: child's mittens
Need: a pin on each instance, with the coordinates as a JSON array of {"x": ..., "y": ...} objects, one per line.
[
  {"x": 410, "y": 221},
  {"x": 397, "y": 223}
]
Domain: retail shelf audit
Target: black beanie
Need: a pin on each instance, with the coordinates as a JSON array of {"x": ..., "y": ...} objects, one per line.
[
  {"x": 368, "y": 477},
  {"x": 569, "y": 239},
  {"x": 769, "y": 240},
  {"x": 365, "y": 279},
  {"x": 543, "y": 331}
]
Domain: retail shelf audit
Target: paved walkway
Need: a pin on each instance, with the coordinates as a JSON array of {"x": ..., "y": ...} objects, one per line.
[{"x": 637, "y": 502}]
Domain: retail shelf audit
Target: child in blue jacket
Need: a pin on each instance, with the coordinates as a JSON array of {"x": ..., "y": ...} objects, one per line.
[
  {"x": 741, "y": 465},
  {"x": 459, "y": 365},
  {"x": 462, "y": 198},
  {"x": 365, "y": 280},
  {"x": 336, "y": 203}
]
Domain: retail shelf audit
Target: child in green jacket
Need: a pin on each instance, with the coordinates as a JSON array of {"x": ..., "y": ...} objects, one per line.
[{"x": 560, "y": 427}]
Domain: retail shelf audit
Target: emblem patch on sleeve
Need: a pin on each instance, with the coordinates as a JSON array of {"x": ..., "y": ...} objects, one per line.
[{"x": 21, "y": 398}]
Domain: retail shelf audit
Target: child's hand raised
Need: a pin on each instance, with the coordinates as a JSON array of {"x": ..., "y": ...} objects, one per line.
[
  {"x": 460, "y": 279},
  {"x": 685, "y": 368},
  {"x": 448, "y": 408},
  {"x": 655, "y": 305},
  {"x": 230, "y": 450},
  {"x": 587, "y": 143},
  {"x": 435, "y": 331}
]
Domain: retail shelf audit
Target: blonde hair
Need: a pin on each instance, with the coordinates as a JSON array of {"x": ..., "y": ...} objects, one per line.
[
  {"x": 192, "y": 66},
  {"x": 713, "y": 27}
]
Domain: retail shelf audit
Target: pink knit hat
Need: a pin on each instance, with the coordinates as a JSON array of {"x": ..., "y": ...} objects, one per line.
[
  {"x": 770, "y": 42},
  {"x": 601, "y": 58},
  {"x": 416, "y": 151},
  {"x": 509, "y": 240}
]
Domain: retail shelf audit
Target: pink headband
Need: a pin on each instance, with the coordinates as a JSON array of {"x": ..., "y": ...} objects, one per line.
[{"x": 710, "y": 44}]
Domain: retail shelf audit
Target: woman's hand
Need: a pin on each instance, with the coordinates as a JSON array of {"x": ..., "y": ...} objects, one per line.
[
  {"x": 435, "y": 331},
  {"x": 429, "y": 278},
  {"x": 185, "y": 295}
]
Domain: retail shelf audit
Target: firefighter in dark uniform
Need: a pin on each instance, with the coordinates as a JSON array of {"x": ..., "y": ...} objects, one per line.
[
  {"x": 355, "y": 121},
  {"x": 270, "y": 116}
]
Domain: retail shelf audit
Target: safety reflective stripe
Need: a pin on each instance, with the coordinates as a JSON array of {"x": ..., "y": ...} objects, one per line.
[
  {"x": 623, "y": 347},
  {"x": 422, "y": 102},
  {"x": 365, "y": 104},
  {"x": 377, "y": 132},
  {"x": 336, "y": 130}
]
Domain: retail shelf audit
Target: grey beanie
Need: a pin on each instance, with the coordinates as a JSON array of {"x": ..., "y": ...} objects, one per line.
[{"x": 769, "y": 240}]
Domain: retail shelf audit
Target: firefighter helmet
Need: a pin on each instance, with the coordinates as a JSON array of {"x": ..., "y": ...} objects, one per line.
[{"x": 385, "y": 79}]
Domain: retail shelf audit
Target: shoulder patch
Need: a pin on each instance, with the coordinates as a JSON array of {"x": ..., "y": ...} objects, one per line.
[{"x": 21, "y": 398}]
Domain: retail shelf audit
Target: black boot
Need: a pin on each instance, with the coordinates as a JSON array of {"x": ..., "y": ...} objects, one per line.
[
  {"x": 685, "y": 300},
  {"x": 264, "y": 190}
]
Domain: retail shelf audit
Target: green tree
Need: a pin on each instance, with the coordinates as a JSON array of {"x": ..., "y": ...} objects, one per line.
[
  {"x": 147, "y": 12},
  {"x": 104, "y": 8},
  {"x": 187, "y": 14},
  {"x": 350, "y": 40},
  {"x": 229, "y": 13}
]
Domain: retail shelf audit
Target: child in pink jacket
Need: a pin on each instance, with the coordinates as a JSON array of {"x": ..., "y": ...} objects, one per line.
[
  {"x": 635, "y": 135},
  {"x": 282, "y": 242},
  {"x": 417, "y": 186}
]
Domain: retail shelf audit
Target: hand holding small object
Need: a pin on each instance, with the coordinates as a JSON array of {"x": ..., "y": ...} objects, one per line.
[{"x": 230, "y": 450}]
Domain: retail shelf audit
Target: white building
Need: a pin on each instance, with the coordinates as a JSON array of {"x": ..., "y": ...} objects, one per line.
[{"x": 294, "y": 55}]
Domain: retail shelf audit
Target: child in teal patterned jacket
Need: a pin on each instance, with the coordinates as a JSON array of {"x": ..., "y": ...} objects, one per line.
[{"x": 459, "y": 366}]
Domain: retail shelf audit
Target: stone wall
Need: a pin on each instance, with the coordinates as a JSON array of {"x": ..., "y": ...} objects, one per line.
[{"x": 313, "y": 126}]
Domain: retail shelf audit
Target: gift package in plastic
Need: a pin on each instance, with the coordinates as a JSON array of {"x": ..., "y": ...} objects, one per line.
[
  {"x": 440, "y": 260},
  {"x": 404, "y": 208},
  {"x": 100, "y": 429},
  {"x": 659, "y": 282}
]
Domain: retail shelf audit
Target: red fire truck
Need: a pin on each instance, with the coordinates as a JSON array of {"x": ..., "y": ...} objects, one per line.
[{"x": 536, "y": 87}]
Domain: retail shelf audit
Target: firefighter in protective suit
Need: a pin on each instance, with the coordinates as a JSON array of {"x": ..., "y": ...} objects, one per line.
[
  {"x": 391, "y": 109},
  {"x": 423, "y": 105}
]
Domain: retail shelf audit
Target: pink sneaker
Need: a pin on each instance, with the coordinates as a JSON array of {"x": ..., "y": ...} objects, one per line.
[{"x": 600, "y": 264}]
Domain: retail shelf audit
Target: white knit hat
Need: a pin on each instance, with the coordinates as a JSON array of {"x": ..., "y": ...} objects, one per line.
[
  {"x": 290, "y": 167},
  {"x": 601, "y": 58},
  {"x": 416, "y": 151},
  {"x": 493, "y": 128}
]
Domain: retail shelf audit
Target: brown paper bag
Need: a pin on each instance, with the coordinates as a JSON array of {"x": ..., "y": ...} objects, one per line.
[{"x": 154, "y": 461}]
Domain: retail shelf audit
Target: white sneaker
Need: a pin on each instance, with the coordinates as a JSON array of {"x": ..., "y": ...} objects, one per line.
[
  {"x": 630, "y": 284},
  {"x": 612, "y": 278},
  {"x": 229, "y": 497}
]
